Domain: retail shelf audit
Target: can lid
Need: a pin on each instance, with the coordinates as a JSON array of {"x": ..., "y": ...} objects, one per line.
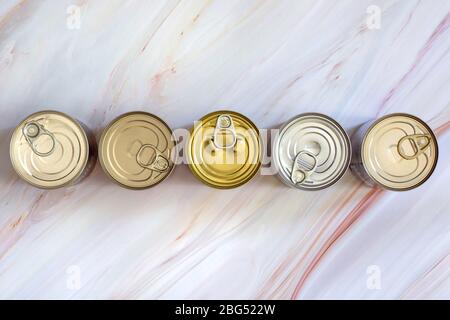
[
  {"x": 49, "y": 149},
  {"x": 399, "y": 151},
  {"x": 224, "y": 149},
  {"x": 135, "y": 150},
  {"x": 311, "y": 152}
]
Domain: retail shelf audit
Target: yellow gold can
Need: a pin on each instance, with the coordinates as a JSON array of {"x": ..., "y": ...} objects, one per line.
[
  {"x": 396, "y": 152},
  {"x": 49, "y": 150},
  {"x": 224, "y": 149},
  {"x": 137, "y": 150}
]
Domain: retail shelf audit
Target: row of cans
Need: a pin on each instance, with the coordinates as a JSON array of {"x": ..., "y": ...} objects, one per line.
[{"x": 311, "y": 151}]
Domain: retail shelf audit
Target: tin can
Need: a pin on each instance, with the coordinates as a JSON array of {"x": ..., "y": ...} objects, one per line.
[
  {"x": 396, "y": 152},
  {"x": 137, "y": 150},
  {"x": 50, "y": 150},
  {"x": 224, "y": 149},
  {"x": 311, "y": 152}
]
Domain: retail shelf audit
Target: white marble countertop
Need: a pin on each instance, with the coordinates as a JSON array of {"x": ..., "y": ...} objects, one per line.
[{"x": 269, "y": 60}]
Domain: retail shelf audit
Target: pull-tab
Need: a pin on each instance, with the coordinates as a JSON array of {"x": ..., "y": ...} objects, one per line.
[
  {"x": 32, "y": 131},
  {"x": 224, "y": 126},
  {"x": 159, "y": 163},
  {"x": 418, "y": 142},
  {"x": 304, "y": 164}
]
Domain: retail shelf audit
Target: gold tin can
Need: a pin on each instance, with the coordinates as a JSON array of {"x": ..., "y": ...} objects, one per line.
[
  {"x": 50, "y": 150},
  {"x": 396, "y": 152},
  {"x": 224, "y": 149},
  {"x": 137, "y": 150},
  {"x": 311, "y": 152}
]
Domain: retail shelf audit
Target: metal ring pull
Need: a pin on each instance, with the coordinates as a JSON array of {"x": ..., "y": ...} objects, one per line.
[
  {"x": 224, "y": 125},
  {"x": 159, "y": 163},
  {"x": 418, "y": 142},
  {"x": 305, "y": 163},
  {"x": 32, "y": 131}
]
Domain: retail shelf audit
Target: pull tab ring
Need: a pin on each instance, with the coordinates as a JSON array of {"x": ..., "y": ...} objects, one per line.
[
  {"x": 32, "y": 131},
  {"x": 415, "y": 141},
  {"x": 159, "y": 163},
  {"x": 305, "y": 163},
  {"x": 225, "y": 125}
]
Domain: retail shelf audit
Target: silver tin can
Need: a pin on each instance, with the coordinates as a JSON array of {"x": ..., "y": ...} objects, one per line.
[{"x": 311, "y": 152}]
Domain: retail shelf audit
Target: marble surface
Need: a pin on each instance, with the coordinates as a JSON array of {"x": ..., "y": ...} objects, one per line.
[{"x": 269, "y": 60}]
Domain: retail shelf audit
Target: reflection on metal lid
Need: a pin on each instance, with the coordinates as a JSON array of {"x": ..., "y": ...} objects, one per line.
[{"x": 311, "y": 152}]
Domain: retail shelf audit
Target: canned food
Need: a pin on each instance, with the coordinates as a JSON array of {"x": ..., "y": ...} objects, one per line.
[
  {"x": 397, "y": 152},
  {"x": 136, "y": 150},
  {"x": 311, "y": 152},
  {"x": 50, "y": 150},
  {"x": 224, "y": 149}
]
